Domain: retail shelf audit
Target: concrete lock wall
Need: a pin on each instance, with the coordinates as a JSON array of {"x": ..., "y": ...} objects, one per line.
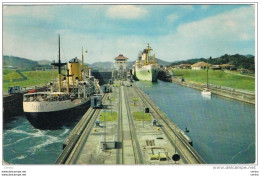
[
  {"x": 13, "y": 103},
  {"x": 103, "y": 77}
]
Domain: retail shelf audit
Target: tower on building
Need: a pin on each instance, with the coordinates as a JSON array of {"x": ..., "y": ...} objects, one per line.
[
  {"x": 121, "y": 70},
  {"x": 121, "y": 62}
]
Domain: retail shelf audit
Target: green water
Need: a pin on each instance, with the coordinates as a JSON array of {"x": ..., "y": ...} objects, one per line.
[
  {"x": 222, "y": 130},
  {"x": 23, "y": 144}
]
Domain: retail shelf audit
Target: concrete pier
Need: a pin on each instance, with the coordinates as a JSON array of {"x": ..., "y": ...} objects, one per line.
[{"x": 121, "y": 137}]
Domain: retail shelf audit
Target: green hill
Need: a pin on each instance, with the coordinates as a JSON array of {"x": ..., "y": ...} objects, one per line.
[
  {"x": 102, "y": 66},
  {"x": 18, "y": 62},
  {"x": 14, "y": 62},
  {"x": 239, "y": 61},
  {"x": 44, "y": 62},
  {"x": 189, "y": 61}
]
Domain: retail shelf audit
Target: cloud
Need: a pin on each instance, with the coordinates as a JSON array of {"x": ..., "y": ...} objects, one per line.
[
  {"x": 229, "y": 26},
  {"x": 187, "y": 7},
  {"x": 126, "y": 12},
  {"x": 213, "y": 36},
  {"x": 230, "y": 32},
  {"x": 172, "y": 18},
  {"x": 101, "y": 47},
  {"x": 39, "y": 12},
  {"x": 204, "y": 7},
  {"x": 25, "y": 46}
]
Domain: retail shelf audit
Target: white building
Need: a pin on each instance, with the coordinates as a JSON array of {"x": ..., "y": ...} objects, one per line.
[
  {"x": 121, "y": 62},
  {"x": 199, "y": 66},
  {"x": 121, "y": 71}
]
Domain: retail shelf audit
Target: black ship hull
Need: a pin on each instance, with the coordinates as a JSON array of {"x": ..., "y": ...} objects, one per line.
[{"x": 56, "y": 119}]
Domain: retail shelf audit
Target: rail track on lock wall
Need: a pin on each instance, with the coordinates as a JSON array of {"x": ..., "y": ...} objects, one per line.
[
  {"x": 136, "y": 146},
  {"x": 120, "y": 135},
  {"x": 78, "y": 136}
]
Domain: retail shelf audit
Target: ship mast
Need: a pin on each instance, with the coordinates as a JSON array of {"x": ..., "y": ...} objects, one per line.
[
  {"x": 68, "y": 80},
  {"x": 154, "y": 59},
  {"x": 82, "y": 65},
  {"x": 59, "y": 65},
  {"x": 148, "y": 53},
  {"x": 208, "y": 72}
]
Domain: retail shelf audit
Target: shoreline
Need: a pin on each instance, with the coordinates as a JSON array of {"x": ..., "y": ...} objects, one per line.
[{"x": 218, "y": 90}]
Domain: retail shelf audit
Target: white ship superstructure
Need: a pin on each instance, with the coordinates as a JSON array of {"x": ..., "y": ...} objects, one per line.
[{"x": 144, "y": 69}]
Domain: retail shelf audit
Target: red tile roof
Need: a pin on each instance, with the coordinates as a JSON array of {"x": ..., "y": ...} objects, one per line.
[
  {"x": 121, "y": 57},
  {"x": 200, "y": 64}
]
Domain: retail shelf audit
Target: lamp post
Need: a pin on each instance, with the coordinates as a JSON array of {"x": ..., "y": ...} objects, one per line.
[
  {"x": 143, "y": 116},
  {"x": 176, "y": 157},
  {"x": 104, "y": 145},
  {"x": 146, "y": 110}
]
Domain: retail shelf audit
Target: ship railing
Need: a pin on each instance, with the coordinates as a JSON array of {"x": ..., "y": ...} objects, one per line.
[{"x": 45, "y": 97}]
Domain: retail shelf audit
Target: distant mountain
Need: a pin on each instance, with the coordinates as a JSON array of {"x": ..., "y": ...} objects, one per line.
[
  {"x": 27, "y": 64},
  {"x": 249, "y": 55},
  {"x": 189, "y": 61},
  {"x": 162, "y": 62},
  {"x": 129, "y": 64},
  {"x": 19, "y": 63},
  {"x": 23, "y": 63},
  {"x": 108, "y": 66},
  {"x": 102, "y": 66},
  {"x": 239, "y": 61},
  {"x": 44, "y": 62}
]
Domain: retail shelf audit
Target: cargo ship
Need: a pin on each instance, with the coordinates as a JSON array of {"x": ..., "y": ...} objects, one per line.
[
  {"x": 144, "y": 69},
  {"x": 65, "y": 99}
]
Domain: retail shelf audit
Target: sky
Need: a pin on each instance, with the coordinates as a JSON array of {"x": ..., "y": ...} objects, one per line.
[{"x": 175, "y": 32}]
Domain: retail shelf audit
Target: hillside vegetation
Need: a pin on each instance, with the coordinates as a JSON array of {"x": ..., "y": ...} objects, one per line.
[
  {"x": 215, "y": 77},
  {"x": 7, "y": 71},
  {"x": 18, "y": 62},
  {"x": 239, "y": 61},
  {"x": 27, "y": 64}
]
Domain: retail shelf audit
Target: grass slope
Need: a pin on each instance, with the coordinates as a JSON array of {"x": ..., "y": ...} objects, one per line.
[
  {"x": 12, "y": 75},
  {"x": 34, "y": 78},
  {"x": 218, "y": 77},
  {"x": 7, "y": 71},
  {"x": 18, "y": 62}
]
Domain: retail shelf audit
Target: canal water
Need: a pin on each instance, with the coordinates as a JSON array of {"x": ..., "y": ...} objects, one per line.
[
  {"x": 222, "y": 129},
  {"x": 23, "y": 144}
]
